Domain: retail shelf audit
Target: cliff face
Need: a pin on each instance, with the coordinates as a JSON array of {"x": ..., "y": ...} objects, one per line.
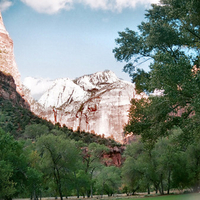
[
  {"x": 7, "y": 60},
  {"x": 114, "y": 157},
  {"x": 97, "y": 103},
  {"x": 8, "y": 91}
]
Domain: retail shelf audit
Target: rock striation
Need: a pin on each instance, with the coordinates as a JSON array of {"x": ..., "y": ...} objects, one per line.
[
  {"x": 7, "y": 60},
  {"x": 96, "y": 103}
]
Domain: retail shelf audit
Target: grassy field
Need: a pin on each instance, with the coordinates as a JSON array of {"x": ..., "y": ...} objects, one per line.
[{"x": 167, "y": 197}]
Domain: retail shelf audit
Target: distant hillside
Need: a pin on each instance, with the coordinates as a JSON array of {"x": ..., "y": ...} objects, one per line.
[{"x": 15, "y": 115}]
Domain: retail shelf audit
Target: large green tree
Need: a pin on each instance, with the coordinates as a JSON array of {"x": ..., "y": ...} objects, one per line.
[
  {"x": 92, "y": 158},
  {"x": 59, "y": 159},
  {"x": 170, "y": 39},
  {"x": 108, "y": 180},
  {"x": 13, "y": 166},
  {"x": 161, "y": 168}
]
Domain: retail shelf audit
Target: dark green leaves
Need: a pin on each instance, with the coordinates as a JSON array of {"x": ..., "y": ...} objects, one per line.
[{"x": 170, "y": 37}]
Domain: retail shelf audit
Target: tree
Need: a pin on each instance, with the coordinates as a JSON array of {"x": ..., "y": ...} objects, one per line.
[
  {"x": 59, "y": 158},
  {"x": 162, "y": 167},
  {"x": 12, "y": 166},
  {"x": 34, "y": 182},
  {"x": 92, "y": 160},
  {"x": 7, "y": 186},
  {"x": 35, "y": 130},
  {"x": 165, "y": 156},
  {"x": 131, "y": 173},
  {"x": 193, "y": 164},
  {"x": 140, "y": 169},
  {"x": 108, "y": 180},
  {"x": 170, "y": 38}
]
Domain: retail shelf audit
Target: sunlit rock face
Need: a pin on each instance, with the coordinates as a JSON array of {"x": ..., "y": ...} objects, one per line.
[
  {"x": 96, "y": 103},
  {"x": 7, "y": 60}
]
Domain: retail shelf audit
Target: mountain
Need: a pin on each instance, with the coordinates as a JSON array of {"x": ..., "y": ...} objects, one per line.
[
  {"x": 7, "y": 59},
  {"x": 15, "y": 114},
  {"x": 96, "y": 103}
]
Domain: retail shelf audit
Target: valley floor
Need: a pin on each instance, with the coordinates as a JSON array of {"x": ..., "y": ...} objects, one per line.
[{"x": 195, "y": 196}]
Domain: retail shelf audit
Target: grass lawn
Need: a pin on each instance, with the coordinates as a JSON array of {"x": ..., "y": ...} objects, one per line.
[{"x": 168, "y": 197}]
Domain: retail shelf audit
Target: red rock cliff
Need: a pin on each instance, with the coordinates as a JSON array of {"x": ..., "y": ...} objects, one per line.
[{"x": 7, "y": 60}]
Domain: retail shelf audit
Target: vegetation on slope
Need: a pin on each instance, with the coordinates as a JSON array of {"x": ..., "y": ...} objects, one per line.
[
  {"x": 14, "y": 119},
  {"x": 38, "y": 158}
]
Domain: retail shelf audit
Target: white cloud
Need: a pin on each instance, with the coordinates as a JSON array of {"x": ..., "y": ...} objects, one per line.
[
  {"x": 49, "y": 6},
  {"x": 53, "y": 6},
  {"x": 37, "y": 86},
  {"x": 158, "y": 92},
  {"x": 5, "y": 4},
  {"x": 116, "y": 5}
]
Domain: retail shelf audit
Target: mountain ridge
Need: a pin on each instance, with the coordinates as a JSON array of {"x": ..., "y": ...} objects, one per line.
[{"x": 97, "y": 103}]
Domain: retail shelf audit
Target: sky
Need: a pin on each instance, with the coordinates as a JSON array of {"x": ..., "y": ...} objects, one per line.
[{"x": 69, "y": 38}]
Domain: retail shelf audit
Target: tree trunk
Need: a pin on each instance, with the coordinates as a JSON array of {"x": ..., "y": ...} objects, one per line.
[
  {"x": 77, "y": 191},
  {"x": 34, "y": 195},
  {"x": 156, "y": 187},
  {"x": 60, "y": 193},
  {"x": 161, "y": 183},
  {"x": 57, "y": 177},
  {"x": 196, "y": 187},
  {"x": 148, "y": 189},
  {"x": 91, "y": 189},
  {"x": 169, "y": 182}
]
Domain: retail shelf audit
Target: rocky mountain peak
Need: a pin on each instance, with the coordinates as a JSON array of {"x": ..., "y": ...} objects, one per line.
[
  {"x": 96, "y": 80},
  {"x": 2, "y": 27},
  {"x": 62, "y": 91}
]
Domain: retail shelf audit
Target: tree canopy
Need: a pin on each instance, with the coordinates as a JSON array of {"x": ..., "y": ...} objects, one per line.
[{"x": 170, "y": 39}]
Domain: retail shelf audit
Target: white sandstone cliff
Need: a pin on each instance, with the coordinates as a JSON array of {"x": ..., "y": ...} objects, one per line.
[{"x": 97, "y": 103}]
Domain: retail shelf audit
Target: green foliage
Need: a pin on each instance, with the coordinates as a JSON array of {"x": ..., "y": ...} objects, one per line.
[
  {"x": 60, "y": 157},
  {"x": 92, "y": 157},
  {"x": 34, "y": 182},
  {"x": 35, "y": 130},
  {"x": 12, "y": 166},
  {"x": 168, "y": 123},
  {"x": 22, "y": 123},
  {"x": 7, "y": 186},
  {"x": 43, "y": 150},
  {"x": 170, "y": 38},
  {"x": 108, "y": 180},
  {"x": 162, "y": 167},
  {"x": 193, "y": 164}
]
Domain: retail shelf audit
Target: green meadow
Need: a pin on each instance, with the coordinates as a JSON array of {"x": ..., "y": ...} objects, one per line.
[{"x": 195, "y": 196}]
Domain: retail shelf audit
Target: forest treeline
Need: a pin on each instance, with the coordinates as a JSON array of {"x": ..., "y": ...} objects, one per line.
[
  {"x": 43, "y": 160},
  {"x": 39, "y": 159}
]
